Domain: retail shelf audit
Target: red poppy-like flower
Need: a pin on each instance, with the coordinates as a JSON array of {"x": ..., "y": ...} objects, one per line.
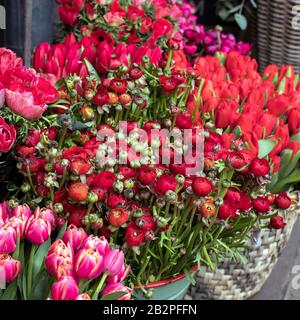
[
  {"x": 80, "y": 166},
  {"x": 259, "y": 167},
  {"x": 134, "y": 236},
  {"x": 146, "y": 176},
  {"x": 7, "y": 136},
  {"x": 104, "y": 180},
  {"x": 169, "y": 84},
  {"x": 101, "y": 97},
  {"x": 283, "y": 201},
  {"x": 184, "y": 121},
  {"x": 202, "y": 187},
  {"x": 277, "y": 223},
  {"x": 78, "y": 191},
  {"x": 115, "y": 200},
  {"x": 117, "y": 217},
  {"x": 165, "y": 183},
  {"x": 73, "y": 153},
  {"x": 226, "y": 211},
  {"x": 261, "y": 204},
  {"x": 118, "y": 86}
]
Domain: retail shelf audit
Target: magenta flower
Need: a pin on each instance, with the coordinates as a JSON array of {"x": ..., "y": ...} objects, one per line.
[{"x": 65, "y": 289}]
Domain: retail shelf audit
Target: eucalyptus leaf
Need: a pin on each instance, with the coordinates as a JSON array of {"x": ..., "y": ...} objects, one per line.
[{"x": 241, "y": 21}]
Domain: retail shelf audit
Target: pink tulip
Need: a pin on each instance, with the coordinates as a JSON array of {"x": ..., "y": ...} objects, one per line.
[
  {"x": 5, "y": 212},
  {"x": 22, "y": 210},
  {"x": 75, "y": 237},
  {"x": 113, "y": 262},
  {"x": 18, "y": 223},
  {"x": 100, "y": 243},
  {"x": 64, "y": 269},
  {"x": 121, "y": 276},
  {"x": 37, "y": 230},
  {"x": 1, "y": 222},
  {"x": 88, "y": 264},
  {"x": 58, "y": 254},
  {"x": 65, "y": 289},
  {"x": 8, "y": 240},
  {"x": 45, "y": 214},
  {"x": 83, "y": 296},
  {"x": 117, "y": 287},
  {"x": 9, "y": 268}
]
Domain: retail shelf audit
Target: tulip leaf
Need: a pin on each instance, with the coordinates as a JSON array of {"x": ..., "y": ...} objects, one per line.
[
  {"x": 114, "y": 296},
  {"x": 10, "y": 292},
  {"x": 92, "y": 71},
  {"x": 281, "y": 185},
  {"x": 62, "y": 231},
  {"x": 265, "y": 147},
  {"x": 286, "y": 156},
  {"x": 296, "y": 137},
  {"x": 41, "y": 286},
  {"x": 291, "y": 165},
  {"x": 39, "y": 257}
]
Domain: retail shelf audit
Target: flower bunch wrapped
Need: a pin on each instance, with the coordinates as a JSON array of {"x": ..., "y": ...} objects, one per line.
[
  {"x": 24, "y": 96},
  {"x": 75, "y": 261}
]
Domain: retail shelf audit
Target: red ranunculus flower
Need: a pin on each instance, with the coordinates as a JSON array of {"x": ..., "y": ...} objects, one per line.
[{"x": 7, "y": 136}]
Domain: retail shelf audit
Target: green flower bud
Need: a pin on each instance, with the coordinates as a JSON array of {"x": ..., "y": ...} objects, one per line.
[
  {"x": 128, "y": 184},
  {"x": 85, "y": 220},
  {"x": 58, "y": 208},
  {"x": 138, "y": 213},
  {"x": 118, "y": 186},
  {"x": 128, "y": 193},
  {"x": 93, "y": 218},
  {"x": 48, "y": 167},
  {"x": 180, "y": 179},
  {"x": 162, "y": 222},
  {"x": 92, "y": 197},
  {"x": 25, "y": 187}
]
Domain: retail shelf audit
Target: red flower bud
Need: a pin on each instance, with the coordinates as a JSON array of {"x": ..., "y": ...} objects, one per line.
[
  {"x": 259, "y": 167},
  {"x": 277, "y": 223},
  {"x": 202, "y": 187},
  {"x": 146, "y": 176},
  {"x": 165, "y": 183},
  {"x": 226, "y": 211},
  {"x": 261, "y": 204},
  {"x": 283, "y": 201}
]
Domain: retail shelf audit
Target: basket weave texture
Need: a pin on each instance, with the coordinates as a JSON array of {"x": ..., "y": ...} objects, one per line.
[{"x": 236, "y": 281}]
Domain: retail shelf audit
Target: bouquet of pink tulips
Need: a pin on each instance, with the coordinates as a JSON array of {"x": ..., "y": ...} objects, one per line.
[{"x": 77, "y": 266}]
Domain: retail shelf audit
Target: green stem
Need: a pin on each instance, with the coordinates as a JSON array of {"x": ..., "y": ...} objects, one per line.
[
  {"x": 30, "y": 270},
  {"x": 170, "y": 55},
  {"x": 62, "y": 138},
  {"x": 99, "y": 287},
  {"x": 30, "y": 179}
]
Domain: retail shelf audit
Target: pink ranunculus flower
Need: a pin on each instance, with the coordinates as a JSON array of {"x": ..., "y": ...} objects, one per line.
[
  {"x": 7, "y": 136},
  {"x": 28, "y": 94},
  {"x": 117, "y": 287},
  {"x": 9, "y": 268}
]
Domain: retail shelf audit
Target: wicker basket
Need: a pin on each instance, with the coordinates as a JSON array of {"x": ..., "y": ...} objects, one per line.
[{"x": 239, "y": 282}]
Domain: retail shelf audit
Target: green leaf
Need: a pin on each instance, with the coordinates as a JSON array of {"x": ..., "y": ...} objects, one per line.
[
  {"x": 223, "y": 14},
  {"x": 92, "y": 71},
  {"x": 286, "y": 157},
  {"x": 40, "y": 256},
  {"x": 296, "y": 137},
  {"x": 114, "y": 296},
  {"x": 265, "y": 147},
  {"x": 62, "y": 231},
  {"x": 190, "y": 277},
  {"x": 241, "y": 21},
  {"x": 292, "y": 164},
  {"x": 10, "y": 292}
]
